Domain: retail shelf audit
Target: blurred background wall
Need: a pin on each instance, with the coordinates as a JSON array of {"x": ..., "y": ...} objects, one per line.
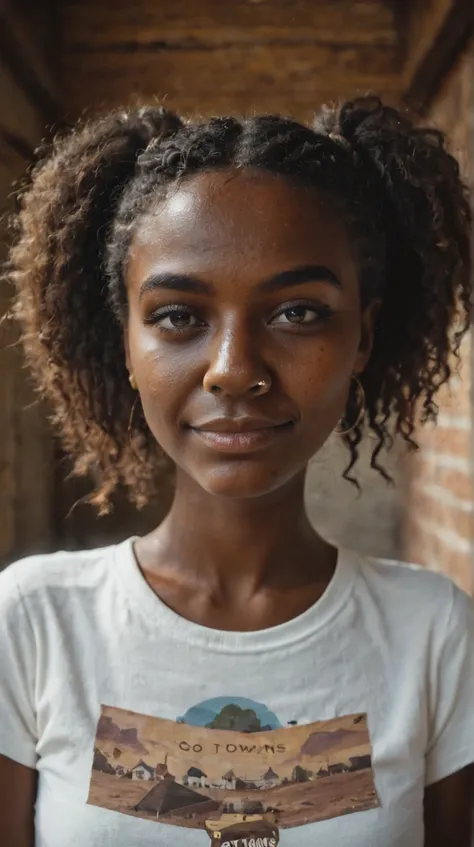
[{"x": 61, "y": 59}]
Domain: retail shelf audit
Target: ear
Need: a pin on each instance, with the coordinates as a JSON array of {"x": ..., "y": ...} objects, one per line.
[{"x": 368, "y": 323}]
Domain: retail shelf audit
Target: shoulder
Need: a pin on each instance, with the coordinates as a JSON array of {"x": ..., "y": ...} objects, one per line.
[
  {"x": 35, "y": 577},
  {"x": 405, "y": 578},
  {"x": 413, "y": 597}
]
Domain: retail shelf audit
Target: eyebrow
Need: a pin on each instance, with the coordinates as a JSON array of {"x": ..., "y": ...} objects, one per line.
[
  {"x": 297, "y": 276},
  {"x": 294, "y": 276},
  {"x": 176, "y": 282}
]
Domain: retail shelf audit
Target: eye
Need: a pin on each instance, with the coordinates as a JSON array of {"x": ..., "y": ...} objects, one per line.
[
  {"x": 299, "y": 315},
  {"x": 175, "y": 318}
]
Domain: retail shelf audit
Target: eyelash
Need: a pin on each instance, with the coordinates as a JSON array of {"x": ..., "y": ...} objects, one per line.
[
  {"x": 323, "y": 313},
  {"x": 166, "y": 312}
]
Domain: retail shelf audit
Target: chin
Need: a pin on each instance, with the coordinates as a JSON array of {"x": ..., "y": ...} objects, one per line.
[{"x": 245, "y": 482}]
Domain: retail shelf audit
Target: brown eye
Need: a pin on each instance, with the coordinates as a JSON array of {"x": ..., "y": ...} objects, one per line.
[
  {"x": 179, "y": 320},
  {"x": 299, "y": 315},
  {"x": 302, "y": 314},
  {"x": 296, "y": 315},
  {"x": 175, "y": 318}
]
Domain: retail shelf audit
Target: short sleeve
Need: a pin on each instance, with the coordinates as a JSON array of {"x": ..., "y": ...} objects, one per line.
[
  {"x": 451, "y": 698},
  {"x": 17, "y": 674}
]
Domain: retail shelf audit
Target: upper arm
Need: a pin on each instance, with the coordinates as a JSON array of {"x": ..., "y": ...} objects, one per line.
[
  {"x": 17, "y": 803},
  {"x": 448, "y": 809},
  {"x": 449, "y": 757},
  {"x": 450, "y": 741},
  {"x": 18, "y": 731}
]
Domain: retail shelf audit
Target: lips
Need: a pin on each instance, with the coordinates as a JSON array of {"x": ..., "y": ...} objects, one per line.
[
  {"x": 240, "y": 435},
  {"x": 238, "y": 425}
]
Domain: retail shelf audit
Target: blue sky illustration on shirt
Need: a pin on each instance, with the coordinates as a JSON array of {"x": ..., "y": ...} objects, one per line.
[{"x": 249, "y": 715}]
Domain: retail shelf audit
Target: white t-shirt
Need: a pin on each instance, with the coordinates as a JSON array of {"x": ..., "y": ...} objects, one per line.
[{"x": 323, "y": 730}]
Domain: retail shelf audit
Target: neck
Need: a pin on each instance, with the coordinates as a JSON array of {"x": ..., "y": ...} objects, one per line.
[{"x": 257, "y": 541}]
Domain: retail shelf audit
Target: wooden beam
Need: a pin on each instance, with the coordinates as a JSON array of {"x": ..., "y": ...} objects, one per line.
[
  {"x": 18, "y": 115},
  {"x": 27, "y": 105},
  {"x": 24, "y": 73},
  {"x": 212, "y": 57},
  {"x": 144, "y": 22},
  {"x": 18, "y": 144},
  {"x": 236, "y": 78},
  {"x": 444, "y": 32}
]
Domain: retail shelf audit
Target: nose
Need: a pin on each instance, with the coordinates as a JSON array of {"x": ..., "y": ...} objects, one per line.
[{"x": 236, "y": 369}]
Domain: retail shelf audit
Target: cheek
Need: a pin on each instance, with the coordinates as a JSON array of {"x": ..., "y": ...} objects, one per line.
[
  {"x": 166, "y": 377},
  {"x": 155, "y": 364},
  {"x": 318, "y": 376}
]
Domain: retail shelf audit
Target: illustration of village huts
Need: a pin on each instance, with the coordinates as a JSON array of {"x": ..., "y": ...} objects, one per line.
[{"x": 186, "y": 775}]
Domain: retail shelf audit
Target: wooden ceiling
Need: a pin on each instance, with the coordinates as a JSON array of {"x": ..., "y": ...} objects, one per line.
[
  {"x": 59, "y": 58},
  {"x": 214, "y": 56}
]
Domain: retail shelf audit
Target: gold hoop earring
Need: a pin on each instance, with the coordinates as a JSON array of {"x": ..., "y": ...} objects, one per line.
[
  {"x": 130, "y": 427},
  {"x": 362, "y": 408}
]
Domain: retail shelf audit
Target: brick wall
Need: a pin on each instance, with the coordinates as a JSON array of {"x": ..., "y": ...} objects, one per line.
[{"x": 439, "y": 518}]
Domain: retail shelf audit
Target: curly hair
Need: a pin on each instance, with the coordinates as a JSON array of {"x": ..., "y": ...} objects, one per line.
[{"x": 408, "y": 217}]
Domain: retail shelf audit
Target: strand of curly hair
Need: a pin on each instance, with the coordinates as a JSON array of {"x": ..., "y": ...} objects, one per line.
[{"x": 407, "y": 213}]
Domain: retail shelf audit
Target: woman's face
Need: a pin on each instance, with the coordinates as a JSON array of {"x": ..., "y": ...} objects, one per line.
[{"x": 244, "y": 327}]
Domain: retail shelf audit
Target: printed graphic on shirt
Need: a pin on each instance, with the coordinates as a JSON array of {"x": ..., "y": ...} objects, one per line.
[
  {"x": 236, "y": 713},
  {"x": 228, "y": 766},
  {"x": 248, "y": 831}
]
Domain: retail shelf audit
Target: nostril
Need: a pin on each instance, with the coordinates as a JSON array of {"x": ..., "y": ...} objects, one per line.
[{"x": 260, "y": 387}]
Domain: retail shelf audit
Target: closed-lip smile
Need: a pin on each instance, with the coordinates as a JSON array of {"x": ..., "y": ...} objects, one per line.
[{"x": 240, "y": 434}]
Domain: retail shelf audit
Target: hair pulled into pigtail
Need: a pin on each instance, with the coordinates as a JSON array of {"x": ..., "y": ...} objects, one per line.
[
  {"x": 58, "y": 269},
  {"x": 411, "y": 182}
]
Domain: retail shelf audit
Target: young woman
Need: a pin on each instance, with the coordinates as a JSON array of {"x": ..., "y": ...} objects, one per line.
[{"x": 228, "y": 294}]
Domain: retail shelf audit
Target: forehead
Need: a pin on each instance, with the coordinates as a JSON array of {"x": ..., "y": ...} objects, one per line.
[{"x": 240, "y": 216}]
